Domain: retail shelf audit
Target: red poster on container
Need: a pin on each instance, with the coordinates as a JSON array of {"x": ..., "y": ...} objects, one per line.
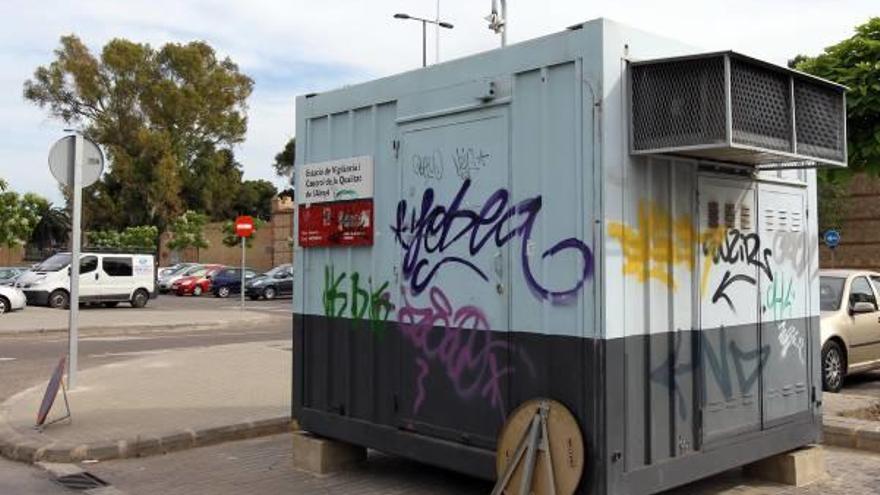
[{"x": 344, "y": 223}]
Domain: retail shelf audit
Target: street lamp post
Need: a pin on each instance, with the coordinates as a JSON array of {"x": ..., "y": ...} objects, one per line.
[{"x": 425, "y": 23}]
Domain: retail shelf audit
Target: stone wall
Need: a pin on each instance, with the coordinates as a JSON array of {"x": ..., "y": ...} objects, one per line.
[
  {"x": 13, "y": 256},
  {"x": 860, "y": 232},
  {"x": 270, "y": 245}
]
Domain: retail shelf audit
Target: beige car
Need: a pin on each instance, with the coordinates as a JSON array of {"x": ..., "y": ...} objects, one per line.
[{"x": 850, "y": 323}]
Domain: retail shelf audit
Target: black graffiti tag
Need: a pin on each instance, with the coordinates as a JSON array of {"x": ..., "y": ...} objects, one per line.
[{"x": 737, "y": 248}]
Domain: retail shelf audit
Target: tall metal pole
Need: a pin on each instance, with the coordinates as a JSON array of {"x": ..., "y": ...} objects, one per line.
[
  {"x": 424, "y": 43},
  {"x": 75, "y": 248},
  {"x": 504, "y": 18},
  {"x": 437, "y": 40},
  {"x": 242, "y": 271}
]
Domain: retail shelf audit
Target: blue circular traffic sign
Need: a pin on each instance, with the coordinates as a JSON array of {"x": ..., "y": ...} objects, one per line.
[{"x": 832, "y": 238}]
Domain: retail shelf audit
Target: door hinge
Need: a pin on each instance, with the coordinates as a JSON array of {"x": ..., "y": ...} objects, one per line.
[{"x": 395, "y": 145}]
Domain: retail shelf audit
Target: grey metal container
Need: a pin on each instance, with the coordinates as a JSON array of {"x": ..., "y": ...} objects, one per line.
[{"x": 523, "y": 249}]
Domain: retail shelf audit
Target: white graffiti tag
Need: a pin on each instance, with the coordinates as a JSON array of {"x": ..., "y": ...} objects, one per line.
[{"x": 790, "y": 336}]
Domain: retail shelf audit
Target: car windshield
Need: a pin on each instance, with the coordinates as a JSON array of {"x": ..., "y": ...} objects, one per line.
[
  {"x": 278, "y": 269},
  {"x": 830, "y": 292},
  {"x": 54, "y": 263},
  {"x": 8, "y": 273},
  {"x": 192, "y": 270},
  {"x": 199, "y": 273}
]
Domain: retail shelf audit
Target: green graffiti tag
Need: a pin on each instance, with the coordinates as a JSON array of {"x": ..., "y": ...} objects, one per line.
[
  {"x": 345, "y": 297},
  {"x": 779, "y": 299}
]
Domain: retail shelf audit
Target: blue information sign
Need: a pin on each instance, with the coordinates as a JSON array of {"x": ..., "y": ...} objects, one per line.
[{"x": 832, "y": 238}]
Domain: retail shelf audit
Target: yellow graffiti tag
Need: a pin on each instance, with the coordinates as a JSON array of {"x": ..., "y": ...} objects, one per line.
[{"x": 656, "y": 244}]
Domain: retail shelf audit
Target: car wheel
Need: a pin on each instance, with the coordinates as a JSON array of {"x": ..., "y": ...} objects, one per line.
[
  {"x": 223, "y": 292},
  {"x": 269, "y": 293},
  {"x": 833, "y": 367},
  {"x": 139, "y": 299},
  {"x": 197, "y": 291},
  {"x": 59, "y": 299},
  {"x": 4, "y": 305}
]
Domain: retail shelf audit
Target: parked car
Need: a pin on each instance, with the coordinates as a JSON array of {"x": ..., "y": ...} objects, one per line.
[
  {"x": 197, "y": 283},
  {"x": 166, "y": 270},
  {"x": 850, "y": 324},
  {"x": 167, "y": 280},
  {"x": 107, "y": 278},
  {"x": 11, "y": 298},
  {"x": 9, "y": 274},
  {"x": 276, "y": 282},
  {"x": 228, "y": 281}
]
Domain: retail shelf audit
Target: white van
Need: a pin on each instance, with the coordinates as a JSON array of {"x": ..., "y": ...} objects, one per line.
[{"x": 108, "y": 278}]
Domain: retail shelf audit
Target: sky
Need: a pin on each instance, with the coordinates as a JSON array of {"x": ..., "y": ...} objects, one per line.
[{"x": 293, "y": 47}]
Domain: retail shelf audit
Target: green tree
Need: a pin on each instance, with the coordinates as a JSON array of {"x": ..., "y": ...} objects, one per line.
[
  {"x": 141, "y": 237},
  {"x": 53, "y": 229},
  {"x": 232, "y": 240},
  {"x": 255, "y": 198},
  {"x": 188, "y": 230},
  {"x": 155, "y": 111},
  {"x": 855, "y": 63},
  {"x": 19, "y": 214},
  {"x": 285, "y": 160}
]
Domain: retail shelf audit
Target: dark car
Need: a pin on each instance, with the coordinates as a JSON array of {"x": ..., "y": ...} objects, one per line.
[
  {"x": 228, "y": 281},
  {"x": 276, "y": 282}
]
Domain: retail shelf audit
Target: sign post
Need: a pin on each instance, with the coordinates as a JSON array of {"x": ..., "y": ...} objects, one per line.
[
  {"x": 244, "y": 228},
  {"x": 75, "y": 162},
  {"x": 832, "y": 239}
]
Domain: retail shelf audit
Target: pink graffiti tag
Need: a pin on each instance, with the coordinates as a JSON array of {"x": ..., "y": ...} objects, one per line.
[{"x": 468, "y": 358}]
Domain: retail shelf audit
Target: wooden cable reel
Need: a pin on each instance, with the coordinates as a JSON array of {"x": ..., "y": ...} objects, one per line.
[{"x": 540, "y": 451}]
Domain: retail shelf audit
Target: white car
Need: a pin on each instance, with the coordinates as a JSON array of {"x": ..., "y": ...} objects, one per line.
[
  {"x": 106, "y": 278},
  {"x": 11, "y": 299}
]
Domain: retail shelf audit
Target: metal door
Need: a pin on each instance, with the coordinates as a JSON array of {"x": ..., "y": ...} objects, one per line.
[
  {"x": 784, "y": 302},
  {"x": 731, "y": 264},
  {"x": 454, "y": 225}
]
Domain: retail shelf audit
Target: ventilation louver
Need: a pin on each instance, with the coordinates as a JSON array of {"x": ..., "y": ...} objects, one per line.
[{"x": 732, "y": 108}]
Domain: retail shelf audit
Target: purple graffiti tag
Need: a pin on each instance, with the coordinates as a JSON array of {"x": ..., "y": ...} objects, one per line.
[
  {"x": 467, "y": 357},
  {"x": 435, "y": 228},
  {"x": 420, "y": 380}
]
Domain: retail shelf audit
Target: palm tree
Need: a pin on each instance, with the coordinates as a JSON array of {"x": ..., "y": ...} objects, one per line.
[{"x": 53, "y": 229}]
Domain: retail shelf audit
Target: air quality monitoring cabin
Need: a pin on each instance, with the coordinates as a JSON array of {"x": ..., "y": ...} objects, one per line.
[{"x": 601, "y": 217}]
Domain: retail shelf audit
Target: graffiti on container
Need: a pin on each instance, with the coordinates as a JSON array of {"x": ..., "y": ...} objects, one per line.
[
  {"x": 730, "y": 368},
  {"x": 656, "y": 245},
  {"x": 469, "y": 160},
  {"x": 790, "y": 337},
  {"x": 434, "y": 228},
  {"x": 344, "y": 296},
  {"x": 459, "y": 341},
  {"x": 779, "y": 299},
  {"x": 737, "y": 251},
  {"x": 428, "y": 166},
  {"x": 790, "y": 247}
]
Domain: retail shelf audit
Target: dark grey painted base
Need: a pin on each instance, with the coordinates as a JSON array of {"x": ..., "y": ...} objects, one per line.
[{"x": 649, "y": 421}]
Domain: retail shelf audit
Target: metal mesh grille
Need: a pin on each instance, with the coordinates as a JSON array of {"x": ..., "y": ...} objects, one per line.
[
  {"x": 819, "y": 121},
  {"x": 679, "y": 103},
  {"x": 761, "y": 106}
]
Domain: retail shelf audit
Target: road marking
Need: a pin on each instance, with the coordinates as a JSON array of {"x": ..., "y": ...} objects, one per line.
[{"x": 6, "y": 359}]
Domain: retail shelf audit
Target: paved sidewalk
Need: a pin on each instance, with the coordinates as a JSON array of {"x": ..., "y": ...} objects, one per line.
[
  {"x": 167, "y": 401},
  {"x": 39, "y": 319}
]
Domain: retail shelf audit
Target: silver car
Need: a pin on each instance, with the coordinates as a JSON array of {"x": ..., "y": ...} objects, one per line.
[{"x": 850, "y": 324}]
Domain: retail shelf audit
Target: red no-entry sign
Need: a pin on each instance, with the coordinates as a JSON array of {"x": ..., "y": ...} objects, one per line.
[{"x": 244, "y": 226}]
